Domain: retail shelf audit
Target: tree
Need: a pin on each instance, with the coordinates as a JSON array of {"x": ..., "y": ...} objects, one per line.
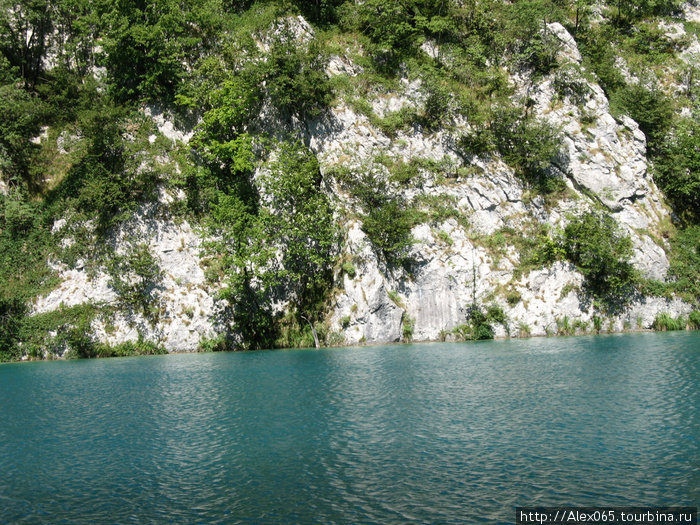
[
  {"x": 295, "y": 78},
  {"x": 24, "y": 29},
  {"x": 277, "y": 241},
  {"x": 298, "y": 225},
  {"x": 20, "y": 119},
  {"x": 650, "y": 108},
  {"x": 677, "y": 169},
  {"x": 529, "y": 145},
  {"x": 148, "y": 46},
  {"x": 11, "y": 313},
  {"x": 601, "y": 252}
]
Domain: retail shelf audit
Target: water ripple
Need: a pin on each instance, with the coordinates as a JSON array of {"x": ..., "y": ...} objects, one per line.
[{"x": 448, "y": 433}]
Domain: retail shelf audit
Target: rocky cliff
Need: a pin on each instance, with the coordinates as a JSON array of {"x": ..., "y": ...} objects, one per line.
[
  {"x": 601, "y": 159},
  {"x": 483, "y": 232}
]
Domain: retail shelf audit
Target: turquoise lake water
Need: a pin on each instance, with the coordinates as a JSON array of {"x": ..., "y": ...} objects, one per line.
[{"x": 430, "y": 433}]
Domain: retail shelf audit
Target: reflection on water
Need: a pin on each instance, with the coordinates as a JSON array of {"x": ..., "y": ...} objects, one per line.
[{"x": 429, "y": 433}]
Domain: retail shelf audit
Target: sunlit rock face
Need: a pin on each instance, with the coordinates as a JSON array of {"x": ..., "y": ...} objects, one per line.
[{"x": 602, "y": 161}]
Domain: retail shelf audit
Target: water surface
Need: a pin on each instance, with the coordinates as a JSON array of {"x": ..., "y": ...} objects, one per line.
[{"x": 445, "y": 433}]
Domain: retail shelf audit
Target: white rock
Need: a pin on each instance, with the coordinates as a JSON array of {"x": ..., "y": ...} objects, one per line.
[
  {"x": 166, "y": 125},
  {"x": 569, "y": 48},
  {"x": 691, "y": 12}
]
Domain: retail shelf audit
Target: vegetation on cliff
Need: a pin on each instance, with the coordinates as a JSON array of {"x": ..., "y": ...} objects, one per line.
[{"x": 80, "y": 72}]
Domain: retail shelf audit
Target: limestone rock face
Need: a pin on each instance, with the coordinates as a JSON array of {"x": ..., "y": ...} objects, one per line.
[
  {"x": 184, "y": 303},
  {"x": 454, "y": 261},
  {"x": 603, "y": 162}
]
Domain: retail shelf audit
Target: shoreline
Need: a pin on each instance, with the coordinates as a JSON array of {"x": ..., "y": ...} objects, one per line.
[{"x": 27, "y": 359}]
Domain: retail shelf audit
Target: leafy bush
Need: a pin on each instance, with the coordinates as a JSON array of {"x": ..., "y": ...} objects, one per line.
[
  {"x": 677, "y": 168},
  {"x": 528, "y": 145},
  {"x": 219, "y": 343},
  {"x": 407, "y": 326},
  {"x": 694, "y": 320},
  {"x": 296, "y": 80},
  {"x": 569, "y": 82},
  {"x": 600, "y": 251},
  {"x": 650, "y": 108},
  {"x": 148, "y": 47},
  {"x": 349, "y": 268},
  {"x": 664, "y": 322},
  {"x": 388, "y": 218},
  {"x": 479, "y": 325},
  {"x": 389, "y": 229},
  {"x": 126, "y": 349},
  {"x": 107, "y": 182},
  {"x": 20, "y": 120},
  {"x": 12, "y": 312},
  {"x": 684, "y": 259},
  {"x": 134, "y": 277}
]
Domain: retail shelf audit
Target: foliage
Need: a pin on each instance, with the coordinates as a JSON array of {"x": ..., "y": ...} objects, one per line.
[
  {"x": 530, "y": 40},
  {"x": 24, "y": 30},
  {"x": 349, "y": 268},
  {"x": 147, "y": 45},
  {"x": 388, "y": 227},
  {"x": 298, "y": 222},
  {"x": 677, "y": 168},
  {"x": 11, "y": 313},
  {"x": 390, "y": 27},
  {"x": 134, "y": 277},
  {"x": 569, "y": 82},
  {"x": 295, "y": 79},
  {"x": 694, "y": 320},
  {"x": 529, "y": 145},
  {"x": 52, "y": 333},
  {"x": 649, "y": 107},
  {"x": 664, "y": 322},
  {"x": 277, "y": 237},
  {"x": 388, "y": 218},
  {"x": 479, "y": 325},
  {"x": 407, "y": 326},
  {"x": 684, "y": 259},
  {"x": 25, "y": 242},
  {"x": 106, "y": 183},
  {"x": 601, "y": 252},
  {"x": 89, "y": 349},
  {"x": 20, "y": 119}
]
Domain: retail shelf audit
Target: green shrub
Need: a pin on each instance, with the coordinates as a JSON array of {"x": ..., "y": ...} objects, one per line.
[
  {"x": 564, "y": 327},
  {"x": 513, "y": 297},
  {"x": 349, "y": 269},
  {"x": 601, "y": 252},
  {"x": 524, "y": 329},
  {"x": 407, "y": 327},
  {"x": 388, "y": 227},
  {"x": 529, "y": 146},
  {"x": 135, "y": 277},
  {"x": 20, "y": 119},
  {"x": 218, "y": 343},
  {"x": 677, "y": 168},
  {"x": 650, "y": 108},
  {"x": 597, "y": 324},
  {"x": 479, "y": 325},
  {"x": 295, "y": 78},
  {"x": 694, "y": 320},
  {"x": 664, "y": 322},
  {"x": 395, "y": 298},
  {"x": 12, "y": 312},
  {"x": 684, "y": 267},
  {"x": 569, "y": 82}
]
